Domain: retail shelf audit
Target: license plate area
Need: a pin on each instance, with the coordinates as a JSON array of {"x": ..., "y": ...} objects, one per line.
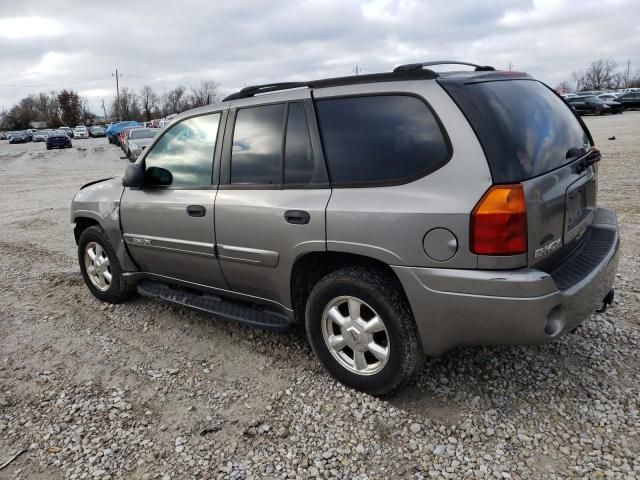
[
  {"x": 576, "y": 207},
  {"x": 579, "y": 208}
]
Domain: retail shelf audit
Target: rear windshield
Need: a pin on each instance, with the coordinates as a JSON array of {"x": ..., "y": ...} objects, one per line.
[{"x": 525, "y": 129}]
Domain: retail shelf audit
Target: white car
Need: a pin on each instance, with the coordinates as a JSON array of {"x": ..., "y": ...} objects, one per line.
[{"x": 80, "y": 132}]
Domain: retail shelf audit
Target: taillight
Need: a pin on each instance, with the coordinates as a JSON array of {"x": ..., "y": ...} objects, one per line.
[{"x": 499, "y": 222}]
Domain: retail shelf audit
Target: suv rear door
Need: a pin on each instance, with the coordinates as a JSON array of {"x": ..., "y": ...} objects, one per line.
[
  {"x": 531, "y": 136},
  {"x": 274, "y": 189}
]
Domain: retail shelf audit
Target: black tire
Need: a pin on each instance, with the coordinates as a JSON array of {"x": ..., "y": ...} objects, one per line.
[
  {"x": 48, "y": 147},
  {"x": 598, "y": 111},
  {"x": 120, "y": 289},
  {"x": 381, "y": 292}
]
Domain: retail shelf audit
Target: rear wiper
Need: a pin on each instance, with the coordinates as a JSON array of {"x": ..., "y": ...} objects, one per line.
[{"x": 589, "y": 159}]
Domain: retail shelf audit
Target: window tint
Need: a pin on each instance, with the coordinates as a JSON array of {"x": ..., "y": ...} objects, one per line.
[
  {"x": 379, "y": 138},
  {"x": 184, "y": 154},
  {"x": 257, "y": 145},
  {"x": 525, "y": 129},
  {"x": 298, "y": 154}
]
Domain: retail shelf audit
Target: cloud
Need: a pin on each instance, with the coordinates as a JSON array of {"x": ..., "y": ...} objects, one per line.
[{"x": 253, "y": 41}]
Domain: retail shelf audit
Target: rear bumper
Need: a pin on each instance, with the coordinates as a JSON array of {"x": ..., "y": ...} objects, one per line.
[{"x": 526, "y": 306}]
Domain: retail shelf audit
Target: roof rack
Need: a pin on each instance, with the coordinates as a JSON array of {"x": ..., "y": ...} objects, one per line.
[
  {"x": 412, "y": 71},
  {"x": 419, "y": 66},
  {"x": 266, "y": 88}
]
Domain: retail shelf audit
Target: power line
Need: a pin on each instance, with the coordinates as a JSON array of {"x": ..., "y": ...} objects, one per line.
[{"x": 77, "y": 82}]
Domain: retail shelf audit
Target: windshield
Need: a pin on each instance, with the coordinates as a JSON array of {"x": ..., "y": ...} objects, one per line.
[
  {"x": 137, "y": 134},
  {"x": 59, "y": 132},
  {"x": 525, "y": 129}
]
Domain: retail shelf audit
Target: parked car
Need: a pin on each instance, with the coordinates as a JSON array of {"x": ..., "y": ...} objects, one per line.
[
  {"x": 630, "y": 100},
  {"x": 124, "y": 136},
  {"x": 40, "y": 135},
  {"x": 68, "y": 131},
  {"x": 19, "y": 137},
  {"x": 97, "y": 132},
  {"x": 594, "y": 105},
  {"x": 609, "y": 96},
  {"x": 392, "y": 218},
  {"x": 80, "y": 132},
  {"x": 4, "y": 135},
  {"x": 138, "y": 140},
  {"x": 114, "y": 130},
  {"x": 58, "y": 139}
]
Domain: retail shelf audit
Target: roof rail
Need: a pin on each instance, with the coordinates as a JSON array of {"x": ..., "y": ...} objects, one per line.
[
  {"x": 418, "y": 74},
  {"x": 418, "y": 66},
  {"x": 266, "y": 88}
]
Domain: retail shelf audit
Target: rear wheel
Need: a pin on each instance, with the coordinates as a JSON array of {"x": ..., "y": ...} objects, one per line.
[
  {"x": 598, "y": 111},
  {"x": 100, "y": 268},
  {"x": 360, "y": 327}
]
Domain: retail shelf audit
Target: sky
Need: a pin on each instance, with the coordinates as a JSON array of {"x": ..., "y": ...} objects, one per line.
[{"x": 47, "y": 45}]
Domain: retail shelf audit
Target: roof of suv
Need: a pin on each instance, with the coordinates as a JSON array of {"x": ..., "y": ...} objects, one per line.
[{"x": 414, "y": 71}]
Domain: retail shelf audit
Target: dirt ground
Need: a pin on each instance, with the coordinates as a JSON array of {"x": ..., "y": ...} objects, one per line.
[{"x": 147, "y": 390}]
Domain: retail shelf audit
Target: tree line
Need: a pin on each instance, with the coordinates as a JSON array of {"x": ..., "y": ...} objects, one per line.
[
  {"x": 51, "y": 108},
  {"x": 602, "y": 74},
  {"x": 67, "y": 107}
]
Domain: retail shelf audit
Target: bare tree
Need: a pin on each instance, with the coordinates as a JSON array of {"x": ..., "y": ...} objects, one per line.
[
  {"x": 563, "y": 87},
  {"x": 175, "y": 100},
  {"x": 148, "y": 102},
  {"x": 600, "y": 75},
  {"x": 205, "y": 94}
]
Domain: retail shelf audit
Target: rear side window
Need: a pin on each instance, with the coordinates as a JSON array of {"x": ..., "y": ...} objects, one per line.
[
  {"x": 257, "y": 145},
  {"x": 524, "y": 128},
  {"x": 380, "y": 139}
]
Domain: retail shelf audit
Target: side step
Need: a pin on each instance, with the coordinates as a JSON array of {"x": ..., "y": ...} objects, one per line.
[{"x": 235, "y": 311}]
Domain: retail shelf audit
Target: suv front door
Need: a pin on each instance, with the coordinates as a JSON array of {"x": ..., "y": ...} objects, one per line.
[
  {"x": 274, "y": 190},
  {"x": 168, "y": 225}
]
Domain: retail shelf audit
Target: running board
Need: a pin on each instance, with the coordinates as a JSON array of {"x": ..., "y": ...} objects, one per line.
[{"x": 235, "y": 311}]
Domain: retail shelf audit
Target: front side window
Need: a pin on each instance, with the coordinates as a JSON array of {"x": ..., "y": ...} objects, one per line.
[
  {"x": 183, "y": 157},
  {"x": 256, "y": 155},
  {"x": 380, "y": 139}
]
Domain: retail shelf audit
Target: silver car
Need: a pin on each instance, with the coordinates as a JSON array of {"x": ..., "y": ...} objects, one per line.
[
  {"x": 394, "y": 215},
  {"x": 137, "y": 140}
]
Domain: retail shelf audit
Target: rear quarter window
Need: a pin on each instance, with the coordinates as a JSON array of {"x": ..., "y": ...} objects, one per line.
[{"x": 380, "y": 139}]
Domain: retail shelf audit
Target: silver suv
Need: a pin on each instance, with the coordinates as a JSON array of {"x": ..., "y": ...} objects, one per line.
[{"x": 394, "y": 215}]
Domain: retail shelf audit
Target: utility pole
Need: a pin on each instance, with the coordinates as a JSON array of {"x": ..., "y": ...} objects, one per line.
[
  {"x": 105, "y": 111},
  {"x": 510, "y": 65},
  {"x": 118, "y": 97},
  {"x": 357, "y": 70},
  {"x": 626, "y": 83}
]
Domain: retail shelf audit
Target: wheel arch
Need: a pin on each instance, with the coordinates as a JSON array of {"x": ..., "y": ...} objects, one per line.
[
  {"x": 310, "y": 267},
  {"x": 83, "y": 222}
]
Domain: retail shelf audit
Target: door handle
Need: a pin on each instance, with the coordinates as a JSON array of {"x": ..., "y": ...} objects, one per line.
[
  {"x": 196, "y": 211},
  {"x": 297, "y": 217}
]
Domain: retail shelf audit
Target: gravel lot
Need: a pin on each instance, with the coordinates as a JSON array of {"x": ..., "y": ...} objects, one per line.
[{"x": 146, "y": 390}]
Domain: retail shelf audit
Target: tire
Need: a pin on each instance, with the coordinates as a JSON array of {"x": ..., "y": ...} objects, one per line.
[
  {"x": 48, "y": 147},
  {"x": 598, "y": 111},
  {"x": 118, "y": 289},
  {"x": 380, "y": 296}
]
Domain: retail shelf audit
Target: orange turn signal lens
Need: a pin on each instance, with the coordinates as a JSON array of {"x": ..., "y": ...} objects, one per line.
[{"x": 499, "y": 222}]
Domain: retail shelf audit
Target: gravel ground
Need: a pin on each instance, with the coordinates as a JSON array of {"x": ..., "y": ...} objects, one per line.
[{"x": 146, "y": 390}]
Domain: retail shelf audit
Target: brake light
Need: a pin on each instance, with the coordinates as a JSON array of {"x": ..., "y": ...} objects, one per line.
[{"x": 499, "y": 222}]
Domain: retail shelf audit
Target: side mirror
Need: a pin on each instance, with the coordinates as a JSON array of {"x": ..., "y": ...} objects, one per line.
[
  {"x": 133, "y": 176},
  {"x": 158, "y": 176}
]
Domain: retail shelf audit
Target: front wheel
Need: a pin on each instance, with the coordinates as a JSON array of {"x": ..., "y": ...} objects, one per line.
[
  {"x": 100, "y": 267},
  {"x": 360, "y": 327}
]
